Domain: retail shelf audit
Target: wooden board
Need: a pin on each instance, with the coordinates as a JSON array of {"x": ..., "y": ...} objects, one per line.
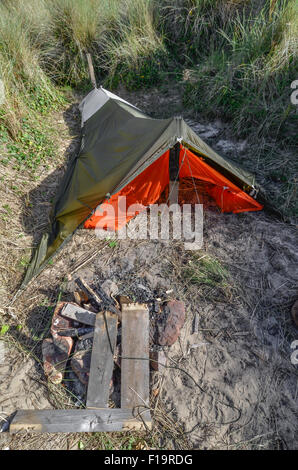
[
  {"x": 135, "y": 343},
  {"x": 91, "y": 70},
  {"x": 78, "y": 314},
  {"x": 102, "y": 360},
  {"x": 79, "y": 420}
]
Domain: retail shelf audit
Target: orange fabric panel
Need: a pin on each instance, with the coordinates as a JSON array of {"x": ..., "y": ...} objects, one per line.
[
  {"x": 227, "y": 195},
  {"x": 145, "y": 189}
]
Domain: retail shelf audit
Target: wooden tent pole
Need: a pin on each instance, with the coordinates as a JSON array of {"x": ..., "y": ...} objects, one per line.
[{"x": 91, "y": 70}]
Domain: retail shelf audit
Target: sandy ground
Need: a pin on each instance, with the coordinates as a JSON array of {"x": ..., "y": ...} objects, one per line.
[{"x": 229, "y": 385}]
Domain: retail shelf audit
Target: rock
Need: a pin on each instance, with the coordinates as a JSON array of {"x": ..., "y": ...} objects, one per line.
[
  {"x": 294, "y": 312},
  {"x": 170, "y": 330},
  {"x": 56, "y": 350},
  {"x": 59, "y": 323},
  {"x": 53, "y": 361}
]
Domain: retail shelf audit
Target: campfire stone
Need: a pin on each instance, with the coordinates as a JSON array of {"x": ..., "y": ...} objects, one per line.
[
  {"x": 169, "y": 330},
  {"x": 59, "y": 323},
  {"x": 54, "y": 361}
]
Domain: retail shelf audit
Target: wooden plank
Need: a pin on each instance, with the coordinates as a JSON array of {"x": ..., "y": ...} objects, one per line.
[
  {"x": 91, "y": 70},
  {"x": 102, "y": 360},
  {"x": 78, "y": 314},
  {"x": 135, "y": 344},
  {"x": 78, "y": 420}
]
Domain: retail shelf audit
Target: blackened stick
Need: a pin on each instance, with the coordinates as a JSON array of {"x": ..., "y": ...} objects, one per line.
[{"x": 101, "y": 301}]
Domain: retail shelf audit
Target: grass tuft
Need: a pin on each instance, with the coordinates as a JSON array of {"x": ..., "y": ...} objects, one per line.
[
  {"x": 208, "y": 274},
  {"x": 245, "y": 77}
]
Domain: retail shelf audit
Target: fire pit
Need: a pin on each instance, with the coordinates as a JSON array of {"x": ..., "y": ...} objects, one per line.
[{"x": 101, "y": 347}]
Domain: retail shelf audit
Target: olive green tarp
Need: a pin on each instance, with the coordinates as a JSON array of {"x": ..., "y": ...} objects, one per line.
[{"x": 118, "y": 143}]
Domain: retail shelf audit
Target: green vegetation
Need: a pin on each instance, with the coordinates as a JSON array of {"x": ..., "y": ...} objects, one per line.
[
  {"x": 208, "y": 274},
  {"x": 28, "y": 89},
  {"x": 119, "y": 441},
  {"x": 4, "y": 329},
  {"x": 244, "y": 52},
  {"x": 246, "y": 75}
]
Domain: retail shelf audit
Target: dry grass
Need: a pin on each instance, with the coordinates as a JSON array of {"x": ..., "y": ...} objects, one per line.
[{"x": 24, "y": 211}]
